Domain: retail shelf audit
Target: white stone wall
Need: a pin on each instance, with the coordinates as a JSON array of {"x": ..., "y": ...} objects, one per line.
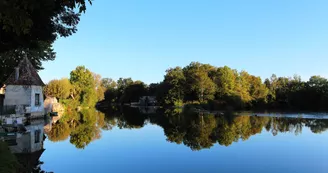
[
  {"x": 17, "y": 95},
  {"x": 37, "y": 90}
]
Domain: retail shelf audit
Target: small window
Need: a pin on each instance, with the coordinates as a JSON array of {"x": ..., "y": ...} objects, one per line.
[
  {"x": 37, "y": 134},
  {"x": 37, "y": 99}
]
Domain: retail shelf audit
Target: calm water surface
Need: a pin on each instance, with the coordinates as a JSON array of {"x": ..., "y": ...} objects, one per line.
[{"x": 132, "y": 140}]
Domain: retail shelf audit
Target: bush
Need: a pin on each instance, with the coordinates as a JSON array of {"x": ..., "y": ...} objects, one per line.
[{"x": 178, "y": 103}]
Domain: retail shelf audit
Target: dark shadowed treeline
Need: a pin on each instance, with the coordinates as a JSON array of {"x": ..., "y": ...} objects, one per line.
[{"x": 215, "y": 88}]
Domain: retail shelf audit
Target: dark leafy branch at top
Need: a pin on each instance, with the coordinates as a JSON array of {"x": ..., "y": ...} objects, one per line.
[
  {"x": 30, "y": 27},
  {"x": 24, "y": 23}
]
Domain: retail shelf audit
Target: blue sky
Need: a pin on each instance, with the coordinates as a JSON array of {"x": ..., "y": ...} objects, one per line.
[{"x": 143, "y": 38}]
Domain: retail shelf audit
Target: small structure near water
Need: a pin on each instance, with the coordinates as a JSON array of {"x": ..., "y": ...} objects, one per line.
[
  {"x": 23, "y": 91},
  {"x": 147, "y": 101}
]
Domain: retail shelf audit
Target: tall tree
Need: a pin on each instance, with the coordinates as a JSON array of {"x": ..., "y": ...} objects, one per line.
[
  {"x": 173, "y": 86},
  {"x": 258, "y": 90},
  {"x": 100, "y": 89},
  {"x": 225, "y": 78},
  {"x": 108, "y": 83},
  {"x": 84, "y": 85},
  {"x": 200, "y": 85},
  {"x": 58, "y": 88}
]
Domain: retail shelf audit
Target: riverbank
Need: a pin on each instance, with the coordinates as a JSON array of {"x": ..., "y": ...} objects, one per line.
[{"x": 8, "y": 161}]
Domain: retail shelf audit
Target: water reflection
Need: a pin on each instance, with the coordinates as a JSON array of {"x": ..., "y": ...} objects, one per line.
[
  {"x": 80, "y": 127},
  {"x": 194, "y": 130},
  {"x": 200, "y": 131},
  {"x": 26, "y": 143}
]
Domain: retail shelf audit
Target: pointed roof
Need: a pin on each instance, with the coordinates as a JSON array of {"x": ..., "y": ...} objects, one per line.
[{"x": 27, "y": 75}]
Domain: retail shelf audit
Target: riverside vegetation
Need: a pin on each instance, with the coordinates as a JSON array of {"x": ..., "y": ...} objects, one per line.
[
  {"x": 200, "y": 85},
  {"x": 215, "y": 88}
]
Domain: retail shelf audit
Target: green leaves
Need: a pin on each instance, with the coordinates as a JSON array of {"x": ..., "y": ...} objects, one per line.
[
  {"x": 84, "y": 85},
  {"x": 58, "y": 88},
  {"x": 26, "y": 23}
]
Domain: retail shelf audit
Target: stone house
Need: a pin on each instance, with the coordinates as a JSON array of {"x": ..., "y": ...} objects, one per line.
[{"x": 24, "y": 90}]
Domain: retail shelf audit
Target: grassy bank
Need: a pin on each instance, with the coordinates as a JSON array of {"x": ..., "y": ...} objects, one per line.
[{"x": 8, "y": 161}]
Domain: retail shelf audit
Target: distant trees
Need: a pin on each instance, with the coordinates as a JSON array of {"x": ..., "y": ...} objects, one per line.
[
  {"x": 204, "y": 83},
  {"x": 133, "y": 92},
  {"x": 60, "y": 89},
  {"x": 83, "y": 88},
  {"x": 84, "y": 85},
  {"x": 108, "y": 83},
  {"x": 173, "y": 87},
  {"x": 293, "y": 93},
  {"x": 222, "y": 88},
  {"x": 100, "y": 89},
  {"x": 201, "y": 86},
  {"x": 125, "y": 90}
]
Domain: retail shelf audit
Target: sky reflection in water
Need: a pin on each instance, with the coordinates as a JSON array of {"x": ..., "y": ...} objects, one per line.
[{"x": 205, "y": 145}]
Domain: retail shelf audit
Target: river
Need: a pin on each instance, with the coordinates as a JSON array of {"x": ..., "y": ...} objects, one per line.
[{"x": 150, "y": 140}]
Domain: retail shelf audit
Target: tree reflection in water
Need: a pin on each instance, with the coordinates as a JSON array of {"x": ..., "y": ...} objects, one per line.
[
  {"x": 199, "y": 131},
  {"x": 81, "y": 127},
  {"x": 195, "y": 130}
]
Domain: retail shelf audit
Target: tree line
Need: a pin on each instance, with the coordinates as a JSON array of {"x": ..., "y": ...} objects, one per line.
[
  {"x": 83, "y": 88},
  {"x": 215, "y": 88}
]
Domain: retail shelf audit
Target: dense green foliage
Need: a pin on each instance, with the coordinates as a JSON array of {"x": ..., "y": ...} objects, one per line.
[
  {"x": 30, "y": 27},
  {"x": 60, "y": 89},
  {"x": 224, "y": 88},
  {"x": 26, "y": 23},
  {"x": 83, "y": 88},
  {"x": 84, "y": 85},
  {"x": 124, "y": 90}
]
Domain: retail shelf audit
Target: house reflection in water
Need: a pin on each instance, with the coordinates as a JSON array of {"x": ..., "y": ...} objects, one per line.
[
  {"x": 31, "y": 140},
  {"x": 28, "y": 146}
]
